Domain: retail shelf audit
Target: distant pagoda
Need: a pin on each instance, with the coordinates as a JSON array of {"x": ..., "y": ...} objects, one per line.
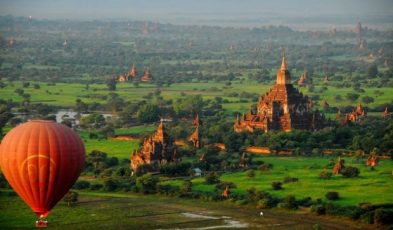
[
  {"x": 282, "y": 108},
  {"x": 132, "y": 73},
  {"x": 195, "y": 137},
  {"x": 147, "y": 76}
]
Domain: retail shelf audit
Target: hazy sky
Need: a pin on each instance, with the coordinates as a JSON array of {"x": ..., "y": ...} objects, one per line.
[{"x": 169, "y": 10}]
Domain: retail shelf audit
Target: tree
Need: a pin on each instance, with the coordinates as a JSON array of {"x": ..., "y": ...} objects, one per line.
[
  {"x": 212, "y": 178},
  {"x": 147, "y": 183},
  {"x": 372, "y": 71},
  {"x": 352, "y": 96},
  {"x": 350, "y": 171},
  {"x": 71, "y": 198},
  {"x": 111, "y": 83},
  {"x": 367, "y": 99},
  {"x": 5, "y": 114},
  {"x": 148, "y": 113},
  {"x": 94, "y": 120},
  {"x": 97, "y": 159},
  {"x": 186, "y": 187},
  {"x": 250, "y": 173}
]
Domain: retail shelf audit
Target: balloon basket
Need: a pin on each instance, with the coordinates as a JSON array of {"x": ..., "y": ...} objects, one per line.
[{"x": 41, "y": 223}]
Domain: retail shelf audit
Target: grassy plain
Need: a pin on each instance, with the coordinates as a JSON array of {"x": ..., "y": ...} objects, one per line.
[
  {"x": 134, "y": 211},
  {"x": 371, "y": 186},
  {"x": 65, "y": 94}
]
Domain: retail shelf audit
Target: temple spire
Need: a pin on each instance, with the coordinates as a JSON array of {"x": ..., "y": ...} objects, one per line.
[{"x": 283, "y": 62}]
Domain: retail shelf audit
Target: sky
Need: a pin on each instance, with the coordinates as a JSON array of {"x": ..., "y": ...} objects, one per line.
[{"x": 198, "y": 11}]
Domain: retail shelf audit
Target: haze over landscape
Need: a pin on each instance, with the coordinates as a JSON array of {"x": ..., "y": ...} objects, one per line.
[{"x": 300, "y": 13}]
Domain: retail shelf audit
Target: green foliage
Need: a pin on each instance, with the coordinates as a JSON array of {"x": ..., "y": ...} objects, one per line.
[
  {"x": 250, "y": 173},
  {"x": 383, "y": 216},
  {"x": 350, "y": 171},
  {"x": 290, "y": 179},
  {"x": 110, "y": 185},
  {"x": 289, "y": 202},
  {"x": 186, "y": 187},
  {"x": 71, "y": 198},
  {"x": 175, "y": 169},
  {"x": 147, "y": 183},
  {"x": 81, "y": 184},
  {"x": 325, "y": 175},
  {"x": 148, "y": 113},
  {"x": 276, "y": 185},
  {"x": 332, "y": 195},
  {"x": 212, "y": 178}
]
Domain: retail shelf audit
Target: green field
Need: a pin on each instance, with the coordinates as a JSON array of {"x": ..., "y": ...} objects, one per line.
[
  {"x": 370, "y": 186},
  {"x": 134, "y": 211},
  {"x": 65, "y": 95}
]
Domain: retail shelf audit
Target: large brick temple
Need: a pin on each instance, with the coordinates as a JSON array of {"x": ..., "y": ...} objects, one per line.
[
  {"x": 282, "y": 108},
  {"x": 157, "y": 150}
]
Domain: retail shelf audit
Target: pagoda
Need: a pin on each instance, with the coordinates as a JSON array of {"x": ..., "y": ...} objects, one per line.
[
  {"x": 147, "y": 77},
  {"x": 132, "y": 73},
  {"x": 357, "y": 114},
  {"x": 157, "y": 150},
  {"x": 282, "y": 108},
  {"x": 195, "y": 137},
  {"x": 386, "y": 113}
]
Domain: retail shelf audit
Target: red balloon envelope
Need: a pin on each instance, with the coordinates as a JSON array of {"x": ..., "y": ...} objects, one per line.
[{"x": 41, "y": 160}]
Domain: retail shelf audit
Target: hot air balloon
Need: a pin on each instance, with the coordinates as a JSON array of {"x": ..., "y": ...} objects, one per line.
[{"x": 41, "y": 160}]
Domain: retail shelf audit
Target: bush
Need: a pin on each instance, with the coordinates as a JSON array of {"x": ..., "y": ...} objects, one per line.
[
  {"x": 110, "y": 185},
  {"x": 250, "y": 173},
  {"x": 212, "y": 178},
  {"x": 186, "y": 187},
  {"x": 276, "y": 185},
  {"x": 289, "y": 202},
  {"x": 325, "y": 175},
  {"x": 383, "y": 216},
  {"x": 332, "y": 195},
  {"x": 350, "y": 171},
  {"x": 71, "y": 198},
  {"x": 318, "y": 209},
  {"x": 81, "y": 184},
  {"x": 367, "y": 218},
  {"x": 147, "y": 183},
  {"x": 290, "y": 179},
  {"x": 96, "y": 186},
  {"x": 265, "y": 167}
]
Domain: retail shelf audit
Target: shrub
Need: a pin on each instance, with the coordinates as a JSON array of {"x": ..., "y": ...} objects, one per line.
[
  {"x": 265, "y": 167},
  {"x": 81, "y": 184},
  {"x": 290, "y": 179},
  {"x": 212, "y": 178},
  {"x": 71, "y": 198},
  {"x": 110, "y": 185},
  {"x": 147, "y": 183},
  {"x": 332, "y": 195},
  {"x": 350, "y": 171},
  {"x": 186, "y": 187},
  {"x": 250, "y": 173},
  {"x": 289, "y": 202},
  {"x": 96, "y": 186},
  {"x": 306, "y": 202},
  {"x": 318, "y": 209},
  {"x": 367, "y": 218},
  {"x": 325, "y": 175},
  {"x": 276, "y": 185},
  {"x": 383, "y": 216}
]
